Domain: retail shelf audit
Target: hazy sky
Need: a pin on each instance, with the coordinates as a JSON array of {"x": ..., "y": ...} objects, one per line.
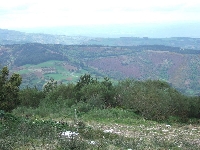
[{"x": 42, "y": 13}]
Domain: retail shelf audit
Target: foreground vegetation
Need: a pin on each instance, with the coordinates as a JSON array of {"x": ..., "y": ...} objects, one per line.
[
  {"x": 132, "y": 132},
  {"x": 94, "y": 114}
]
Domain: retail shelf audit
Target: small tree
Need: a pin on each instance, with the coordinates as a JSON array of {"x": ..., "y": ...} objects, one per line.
[
  {"x": 50, "y": 86},
  {"x": 9, "y": 90},
  {"x": 31, "y": 97},
  {"x": 83, "y": 81}
]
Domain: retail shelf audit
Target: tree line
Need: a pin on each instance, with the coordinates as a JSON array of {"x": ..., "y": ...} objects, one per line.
[{"x": 151, "y": 99}]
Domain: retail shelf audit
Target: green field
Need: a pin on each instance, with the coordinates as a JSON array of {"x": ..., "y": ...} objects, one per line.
[{"x": 60, "y": 74}]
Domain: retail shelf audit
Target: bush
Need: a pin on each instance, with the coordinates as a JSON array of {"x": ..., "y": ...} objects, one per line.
[
  {"x": 9, "y": 90},
  {"x": 31, "y": 97},
  {"x": 194, "y": 107},
  {"x": 95, "y": 92},
  {"x": 81, "y": 107},
  {"x": 154, "y": 100},
  {"x": 61, "y": 91}
]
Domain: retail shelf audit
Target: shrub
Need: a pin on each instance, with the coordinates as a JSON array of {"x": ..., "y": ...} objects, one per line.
[
  {"x": 50, "y": 86},
  {"x": 60, "y": 97},
  {"x": 31, "y": 97},
  {"x": 95, "y": 92},
  {"x": 81, "y": 107},
  {"x": 83, "y": 81},
  {"x": 65, "y": 91},
  {"x": 9, "y": 90},
  {"x": 194, "y": 107},
  {"x": 154, "y": 100}
]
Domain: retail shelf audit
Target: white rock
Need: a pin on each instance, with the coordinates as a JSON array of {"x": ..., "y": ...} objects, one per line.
[
  {"x": 165, "y": 130},
  {"x": 108, "y": 131},
  {"x": 92, "y": 142},
  {"x": 69, "y": 134}
]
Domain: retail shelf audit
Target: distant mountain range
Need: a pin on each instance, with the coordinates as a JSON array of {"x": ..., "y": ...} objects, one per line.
[
  {"x": 39, "y": 57},
  {"x": 16, "y": 37}
]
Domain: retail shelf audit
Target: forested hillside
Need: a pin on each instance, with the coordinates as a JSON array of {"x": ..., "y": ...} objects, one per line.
[{"x": 37, "y": 63}]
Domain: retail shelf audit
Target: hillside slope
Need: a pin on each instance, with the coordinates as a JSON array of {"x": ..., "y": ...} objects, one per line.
[{"x": 38, "y": 62}]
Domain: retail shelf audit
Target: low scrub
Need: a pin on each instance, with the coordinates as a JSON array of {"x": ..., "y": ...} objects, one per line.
[{"x": 153, "y": 100}]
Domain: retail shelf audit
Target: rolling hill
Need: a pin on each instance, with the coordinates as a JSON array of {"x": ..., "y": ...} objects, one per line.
[{"x": 37, "y": 63}]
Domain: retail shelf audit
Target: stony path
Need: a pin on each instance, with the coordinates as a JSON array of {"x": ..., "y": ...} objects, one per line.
[{"x": 162, "y": 132}]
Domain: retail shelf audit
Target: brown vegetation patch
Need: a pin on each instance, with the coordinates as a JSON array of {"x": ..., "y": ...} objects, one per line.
[
  {"x": 39, "y": 74},
  {"x": 69, "y": 67},
  {"x": 115, "y": 64},
  {"x": 69, "y": 79}
]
